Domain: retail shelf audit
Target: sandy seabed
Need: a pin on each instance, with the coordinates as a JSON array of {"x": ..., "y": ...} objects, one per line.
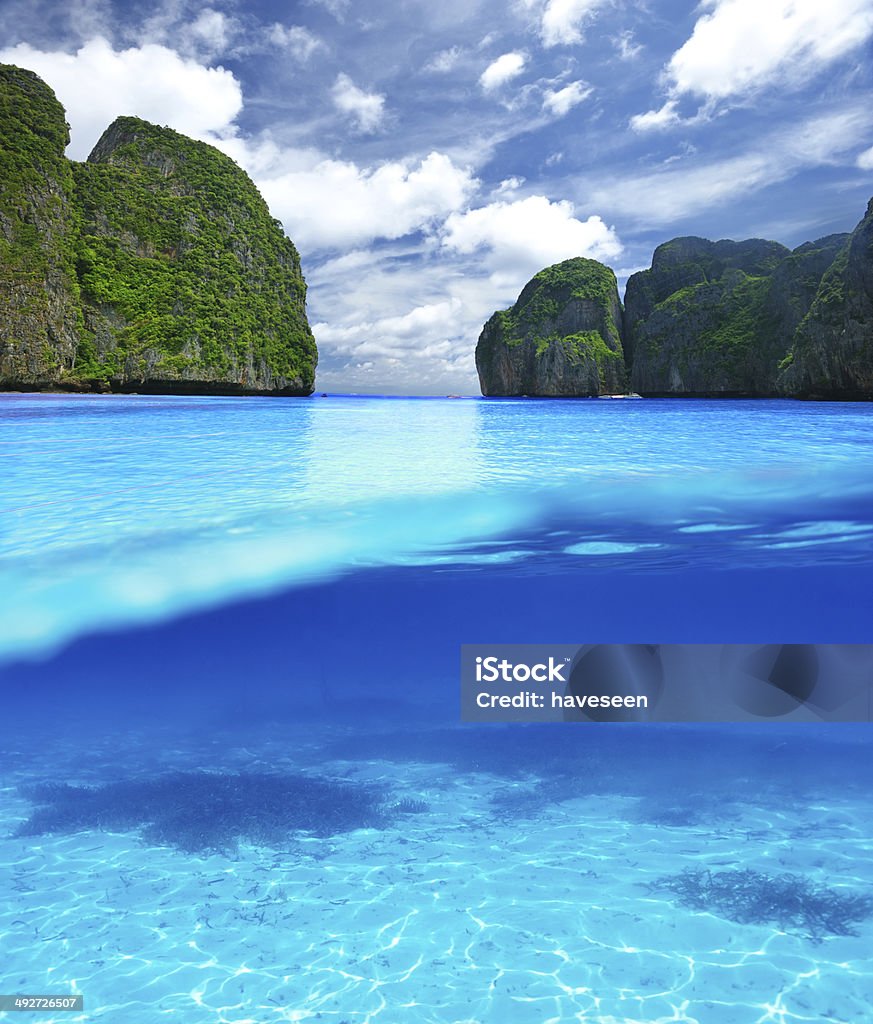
[{"x": 459, "y": 914}]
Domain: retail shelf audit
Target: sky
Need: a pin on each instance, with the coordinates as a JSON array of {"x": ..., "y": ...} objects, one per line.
[{"x": 428, "y": 157}]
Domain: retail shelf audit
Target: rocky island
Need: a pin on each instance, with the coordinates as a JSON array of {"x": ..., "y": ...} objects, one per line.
[
  {"x": 708, "y": 319},
  {"x": 561, "y": 338},
  {"x": 155, "y": 266}
]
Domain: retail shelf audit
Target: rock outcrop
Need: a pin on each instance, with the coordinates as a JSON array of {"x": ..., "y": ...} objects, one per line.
[
  {"x": 40, "y": 314},
  {"x": 561, "y": 338},
  {"x": 832, "y": 353},
  {"x": 155, "y": 266},
  {"x": 708, "y": 319},
  {"x": 718, "y": 318}
]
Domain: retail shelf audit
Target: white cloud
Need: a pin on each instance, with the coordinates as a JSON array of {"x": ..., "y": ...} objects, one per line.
[
  {"x": 563, "y": 100},
  {"x": 337, "y": 8},
  {"x": 512, "y": 184},
  {"x": 562, "y": 20},
  {"x": 626, "y": 47},
  {"x": 656, "y": 119},
  {"x": 865, "y": 160},
  {"x": 426, "y": 347},
  {"x": 396, "y": 328},
  {"x": 444, "y": 61},
  {"x": 366, "y": 108},
  {"x": 96, "y": 84},
  {"x": 298, "y": 41},
  {"x": 210, "y": 33},
  {"x": 743, "y": 44},
  {"x": 327, "y": 204},
  {"x": 205, "y": 38},
  {"x": 502, "y": 70},
  {"x": 88, "y": 18},
  {"x": 676, "y": 192},
  {"x": 739, "y": 47},
  {"x": 392, "y": 334},
  {"x": 524, "y": 236}
]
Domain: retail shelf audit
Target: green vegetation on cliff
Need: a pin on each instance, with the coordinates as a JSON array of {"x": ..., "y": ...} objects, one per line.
[
  {"x": 579, "y": 278},
  {"x": 562, "y": 336},
  {"x": 39, "y": 312},
  {"x": 708, "y": 333},
  {"x": 169, "y": 268},
  {"x": 832, "y": 351},
  {"x": 708, "y": 318},
  {"x": 719, "y": 317}
]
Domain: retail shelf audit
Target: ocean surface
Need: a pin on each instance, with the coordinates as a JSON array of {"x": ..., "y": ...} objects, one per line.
[{"x": 234, "y": 785}]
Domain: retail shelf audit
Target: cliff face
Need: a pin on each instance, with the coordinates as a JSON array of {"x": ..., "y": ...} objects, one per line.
[
  {"x": 717, "y": 318},
  {"x": 724, "y": 318},
  {"x": 39, "y": 308},
  {"x": 832, "y": 354},
  {"x": 561, "y": 338},
  {"x": 687, "y": 262},
  {"x": 155, "y": 266}
]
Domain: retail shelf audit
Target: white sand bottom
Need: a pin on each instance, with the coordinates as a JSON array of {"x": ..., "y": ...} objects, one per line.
[{"x": 453, "y": 916}]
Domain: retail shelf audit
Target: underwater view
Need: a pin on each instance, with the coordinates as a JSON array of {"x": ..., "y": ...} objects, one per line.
[{"x": 234, "y": 781}]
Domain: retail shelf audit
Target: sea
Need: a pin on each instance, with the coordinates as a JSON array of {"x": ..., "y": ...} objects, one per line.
[{"x": 235, "y": 783}]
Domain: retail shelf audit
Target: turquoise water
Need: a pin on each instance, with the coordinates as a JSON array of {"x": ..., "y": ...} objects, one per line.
[
  {"x": 122, "y": 510},
  {"x": 233, "y": 782}
]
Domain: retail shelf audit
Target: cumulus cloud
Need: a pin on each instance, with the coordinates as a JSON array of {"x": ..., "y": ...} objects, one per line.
[
  {"x": 336, "y": 204},
  {"x": 502, "y": 70},
  {"x": 415, "y": 332},
  {"x": 562, "y": 20},
  {"x": 521, "y": 237},
  {"x": 562, "y": 101},
  {"x": 296, "y": 40},
  {"x": 391, "y": 335},
  {"x": 742, "y": 44},
  {"x": 425, "y": 349},
  {"x": 96, "y": 84},
  {"x": 365, "y": 108},
  {"x": 739, "y": 47}
]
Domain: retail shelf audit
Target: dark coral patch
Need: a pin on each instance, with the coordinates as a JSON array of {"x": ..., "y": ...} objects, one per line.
[
  {"x": 202, "y": 811},
  {"x": 751, "y": 897}
]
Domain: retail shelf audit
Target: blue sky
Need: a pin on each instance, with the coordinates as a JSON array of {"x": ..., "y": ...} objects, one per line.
[{"x": 428, "y": 158}]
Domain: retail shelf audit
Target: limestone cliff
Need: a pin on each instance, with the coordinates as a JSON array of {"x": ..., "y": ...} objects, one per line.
[
  {"x": 832, "y": 354},
  {"x": 155, "y": 266},
  {"x": 40, "y": 315},
  {"x": 561, "y": 338},
  {"x": 717, "y": 318}
]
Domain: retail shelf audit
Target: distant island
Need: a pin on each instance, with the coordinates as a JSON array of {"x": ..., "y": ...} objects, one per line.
[
  {"x": 153, "y": 267},
  {"x": 708, "y": 319},
  {"x": 156, "y": 267}
]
